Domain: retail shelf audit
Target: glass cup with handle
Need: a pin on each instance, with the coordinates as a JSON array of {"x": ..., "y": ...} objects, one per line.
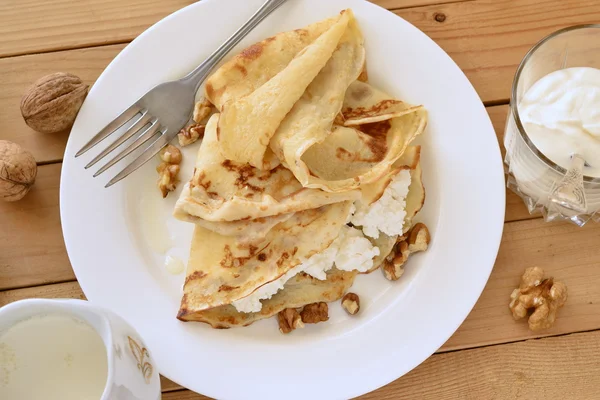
[{"x": 565, "y": 187}]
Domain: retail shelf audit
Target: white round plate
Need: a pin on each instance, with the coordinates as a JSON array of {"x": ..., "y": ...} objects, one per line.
[{"x": 117, "y": 238}]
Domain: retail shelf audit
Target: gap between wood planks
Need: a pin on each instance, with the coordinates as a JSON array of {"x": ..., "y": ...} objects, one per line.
[
  {"x": 383, "y": 3},
  {"x": 58, "y": 49}
]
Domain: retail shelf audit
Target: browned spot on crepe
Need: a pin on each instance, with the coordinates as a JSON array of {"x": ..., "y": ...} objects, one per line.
[
  {"x": 200, "y": 180},
  {"x": 196, "y": 275},
  {"x": 227, "y": 288},
  {"x": 343, "y": 154},
  {"x": 211, "y": 92},
  {"x": 242, "y": 69},
  {"x": 376, "y": 139},
  {"x": 229, "y": 261},
  {"x": 254, "y": 51},
  {"x": 245, "y": 172},
  {"x": 362, "y": 112},
  {"x": 284, "y": 256}
]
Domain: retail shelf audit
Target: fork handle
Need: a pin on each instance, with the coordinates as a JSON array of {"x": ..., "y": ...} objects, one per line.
[{"x": 200, "y": 73}]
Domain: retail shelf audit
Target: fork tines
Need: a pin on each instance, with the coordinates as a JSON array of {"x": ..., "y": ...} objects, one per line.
[{"x": 144, "y": 125}]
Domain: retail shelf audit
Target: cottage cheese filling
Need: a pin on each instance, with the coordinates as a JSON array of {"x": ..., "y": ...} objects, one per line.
[
  {"x": 388, "y": 213},
  {"x": 351, "y": 251}
]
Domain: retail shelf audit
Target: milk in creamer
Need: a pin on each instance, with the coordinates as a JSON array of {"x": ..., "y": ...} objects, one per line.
[{"x": 52, "y": 357}]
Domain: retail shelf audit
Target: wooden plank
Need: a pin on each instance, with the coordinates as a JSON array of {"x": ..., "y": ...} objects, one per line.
[
  {"x": 566, "y": 367},
  {"x": 399, "y": 4},
  {"x": 183, "y": 395},
  {"x": 565, "y": 251},
  {"x": 33, "y": 26},
  {"x": 32, "y": 250},
  {"x": 20, "y": 72},
  {"x": 561, "y": 367},
  {"x": 168, "y": 385},
  {"x": 488, "y": 38},
  {"x": 66, "y": 290}
]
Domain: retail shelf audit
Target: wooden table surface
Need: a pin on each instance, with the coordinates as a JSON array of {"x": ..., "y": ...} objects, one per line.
[{"x": 490, "y": 356}]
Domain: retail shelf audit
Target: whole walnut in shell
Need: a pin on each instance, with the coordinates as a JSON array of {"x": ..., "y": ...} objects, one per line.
[
  {"x": 17, "y": 171},
  {"x": 52, "y": 103}
]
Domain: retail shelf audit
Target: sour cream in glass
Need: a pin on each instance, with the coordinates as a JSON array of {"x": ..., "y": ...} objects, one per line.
[{"x": 561, "y": 115}]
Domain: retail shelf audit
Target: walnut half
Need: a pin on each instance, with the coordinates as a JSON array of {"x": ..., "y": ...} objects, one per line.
[
  {"x": 289, "y": 319},
  {"x": 415, "y": 240},
  {"x": 543, "y": 296},
  {"x": 351, "y": 303},
  {"x": 315, "y": 313}
]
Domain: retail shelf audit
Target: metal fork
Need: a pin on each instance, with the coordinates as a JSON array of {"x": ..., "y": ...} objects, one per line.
[{"x": 161, "y": 113}]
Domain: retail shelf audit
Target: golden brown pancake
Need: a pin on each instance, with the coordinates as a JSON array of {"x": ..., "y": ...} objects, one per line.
[
  {"x": 222, "y": 190},
  {"x": 302, "y": 289},
  {"x": 221, "y": 270}
]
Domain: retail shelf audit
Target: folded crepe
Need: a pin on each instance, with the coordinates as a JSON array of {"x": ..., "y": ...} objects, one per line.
[
  {"x": 257, "y": 64},
  {"x": 299, "y": 138},
  {"x": 223, "y": 190},
  {"x": 248, "y": 123},
  {"x": 222, "y": 270},
  {"x": 265, "y": 100},
  {"x": 377, "y": 129},
  {"x": 300, "y": 290}
]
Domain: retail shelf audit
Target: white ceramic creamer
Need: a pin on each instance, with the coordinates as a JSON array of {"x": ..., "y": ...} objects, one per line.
[{"x": 72, "y": 350}]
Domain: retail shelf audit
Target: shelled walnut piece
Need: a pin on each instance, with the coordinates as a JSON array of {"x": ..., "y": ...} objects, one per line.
[
  {"x": 415, "y": 240},
  {"x": 291, "y": 319},
  {"x": 315, "y": 313},
  {"x": 193, "y": 132},
  {"x": 190, "y": 134},
  {"x": 544, "y": 296},
  {"x": 168, "y": 169},
  {"x": 202, "y": 109},
  {"x": 351, "y": 303}
]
